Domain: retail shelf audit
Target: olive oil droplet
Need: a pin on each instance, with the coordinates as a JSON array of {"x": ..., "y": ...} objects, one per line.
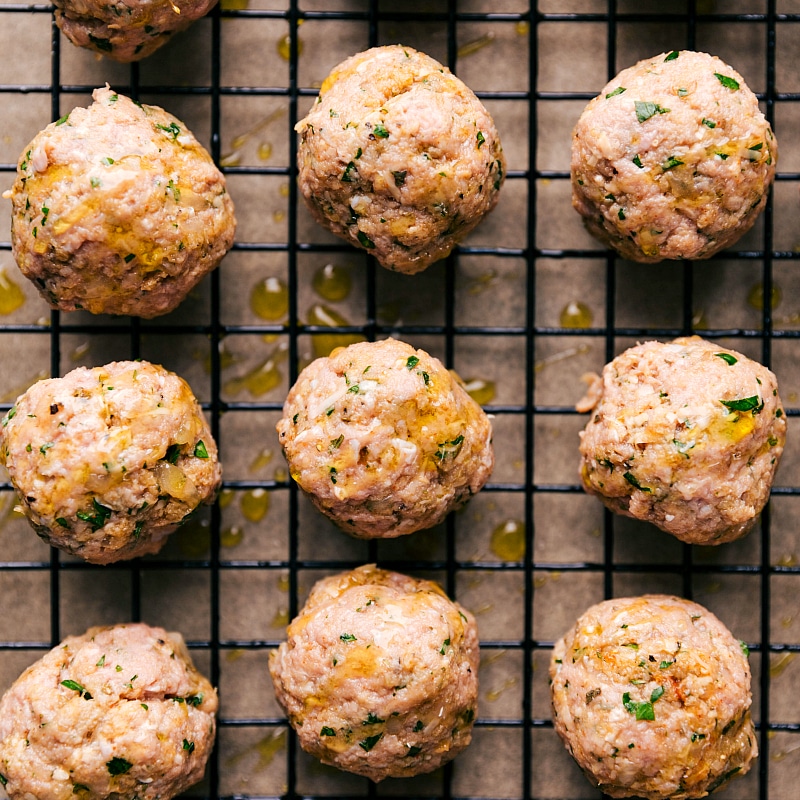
[
  {"x": 522, "y": 27},
  {"x": 508, "y": 540},
  {"x": 264, "y": 151},
  {"x": 261, "y": 460},
  {"x": 481, "y": 391},
  {"x": 285, "y": 47},
  {"x": 755, "y": 297},
  {"x": 575, "y": 315},
  {"x": 325, "y": 343},
  {"x": 226, "y": 497},
  {"x": 779, "y": 663},
  {"x": 269, "y": 299},
  {"x": 332, "y": 282},
  {"x": 234, "y": 5},
  {"x": 281, "y": 618},
  {"x": 255, "y": 504},
  {"x": 231, "y": 537},
  {"x": 194, "y": 538},
  {"x": 11, "y": 296}
]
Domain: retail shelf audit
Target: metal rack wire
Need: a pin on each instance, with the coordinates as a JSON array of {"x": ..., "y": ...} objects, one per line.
[{"x": 609, "y": 563}]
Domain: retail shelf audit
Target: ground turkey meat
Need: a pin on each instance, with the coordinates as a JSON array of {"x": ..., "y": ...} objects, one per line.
[
  {"x": 383, "y": 439},
  {"x": 673, "y": 159},
  {"x": 686, "y": 435},
  {"x": 379, "y": 675},
  {"x": 651, "y": 696},
  {"x": 108, "y": 461},
  {"x": 126, "y": 30},
  {"x": 118, "y": 209},
  {"x": 118, "y": 713},
  {"x": 398, "y": 157}
]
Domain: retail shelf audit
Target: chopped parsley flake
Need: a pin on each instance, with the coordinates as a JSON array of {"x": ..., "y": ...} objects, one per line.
[
  {"x": 697, "y": 736},
  {"x": 347, "y": 637},
  {"x": 326, "y": 731},
  {"x": 400, "y": 177},
  {"x": 634, "y": 481},
  {"x": 723, "y": 156},
  {"x": 380, "y": 131},
  {"x": 709, "y": 123},
  {"x": 337, "y": 442},
  {"x": 188, "y": 746},
  {"x": 621, "y": 214},
  {"x": 95, "y": 182},
  {"x": 333, "y": 474},
  {"x": 671, "y": 162},
  {"x": 745, "y": 648},
  {"x": 76, "y": 687},
  {"x": 97, "y": 520},
  {"x": 728, "y": 83},
  {"x": 3, "y": 779},
  {"x": 419, "y": 726},
  {"x": 672, "y": 56},
  {"x": 346, "y": 176},
  {"x": 481, "y": 139},
  {"x": 682, "y": 92},
  {"x": 618, "y": 90},
  {"x": 107, "y": 162},
  {"x": 445, "y": 645},
  {"x": 370, "y": 742},
  {"x": 372, "y": 719},
  {"x": 645, "y": 710},
  {"x": 118, "y": 766},
  {"x": 172, "y": 130},
  {"x": 62, "y": 120},
  {"x": 727, "y": 358},
  {"x": 102, "y": 661},
  {"x": 754, "y": 147},
  {"x": 129, "y": 258},
  {"x": 638, "y": 161},
  {"x": 645, "y": 109},
  {"x": 754, "y": 404},
  {"x": 365, "y": 240},
  {"x": 412, "y": 362},
  {"x": 665, "y": 664},
  {"x": 200, "y": 450},
  {"x": 451, "y": 448},
  {"x": 62, "y": 522},
  {"x": 173, "y": 453}
]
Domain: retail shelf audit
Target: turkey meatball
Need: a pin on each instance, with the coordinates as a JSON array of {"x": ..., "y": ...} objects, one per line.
[
  {"x": 651, "y": 696},
  {"x": 673, "y": 159},
  {"x": 383, "y": 439},
  {"x": 118, "y": 209},
  {"x": 686, "y": 435},
  {"x": 119, "y": 713},
  {"x": 126, "y": 30},
  {"x": 108, "y": 461},
  {"x": 379, "y": 675},
  {"x": 398, "y": 157}
]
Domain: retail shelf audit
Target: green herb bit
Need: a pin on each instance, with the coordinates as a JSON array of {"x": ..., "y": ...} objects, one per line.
[
  {"x": 354, "y": 389},
  {"x": 102, "y": 661},
  {"x": 172, "y": 130},
  {"x": 665, "y": 664},
  {"x": 3, "y": 780},
  {"x": 723, "y": 156},
  {"x": 638, "y": 161},
  {"x": 621, "y": 214},
  {"x": 176, "y": 192},
  {"x": 671, "y": 162},
  {"x": 336, "y": 443},
  {"x": 365, "y": 240},
  {"x": 346, "y": 175},
  {"x": 419, "y": 726},
  {"x": 425, "y": 377},
  {"x": 682, "y": 92},
  {"x": 62, "y": 522},
  {"x": 358, "y": 153},
  {"x": 106, "y": 162},
  {"x": 728, "y": 83},
  {"x": 400, "y": 177},
  {"x": 481, "y": 139},
  {"x": 657, "y": 693},
  {"x": 754, "y": 404},
  {"x": 697, "y": 736},
  {"x": 200, "y": 450},
  {"x": 709, "y": 123},
  {"x": 173, "y": 453},
  {"x": 76, "y": 687},
  {"x": 412, "y": 362},
  {"x": 118, "y": 766},
  {"x": 642, "y": 711},
  {"x": 137, "y": 529},
  {"x": 451, "y": 448},
  {"x": 632, "y": 645},
  {"x": 611, "y": 198},
  {"x": 332, "y": 114},
  {"x": 779, "y": 413},
  {"x": 618, "y": 90},
  {"x": 97, "y": 520},
  {"x": 370, "y": 742},
  {"x": 332, "y": 473},
  {"x": 727, "y": 358},
  {"x": 95, "y": 182},
  {"x": 645, "y": 109},
  {"x": 772, "y": 441},
  {"x": 188, "y": 746},
  {"x": 347, "y": 637},
  {"x": 45, "y": 447},
  {"x": 326, "y": 731},
  {"x": 683, "y": 447},
  {"x": 745, "y": 648},
  {"x": 380, "y": 131},
  {"x": 372, "y": 719},
  {"x": 672, "y": 56},
  {"x": 445, "y": 645},
  {"x": 129, "y": 258},
  {"x": 634, "y": 481},
  {"x": 329, "y": 411},
  {"x": 754, "y": 147}
]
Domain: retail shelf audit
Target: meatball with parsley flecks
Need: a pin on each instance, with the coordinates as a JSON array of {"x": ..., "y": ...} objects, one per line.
[
  {"x": 108, "y": 461},
  {"x": 117, "y": 713},
  {"x": 398, "y": 157},
  {"x": 118, "y": 209},
  {"x": 379, "y": 674},
  {"x": 684, "y": 434},
  {"x": 126, "y": 30},
  {"x": 651, "y": 697},
  {"x": 383, "y": 439},
  {"x": 673, "y": 159}
]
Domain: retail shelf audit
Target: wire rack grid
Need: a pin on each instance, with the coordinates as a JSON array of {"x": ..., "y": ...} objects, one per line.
[{"x": 494, "y": 311}]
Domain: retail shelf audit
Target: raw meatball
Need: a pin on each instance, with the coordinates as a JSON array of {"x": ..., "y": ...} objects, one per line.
[
  {"x": 673, "y": 159},
  {"x": 398, "y": 157},
  {"x": 379, "y": 675},
  {"x": 118, "y": 209},
  {"x": 126, "y": 30},
  {"x": 119, "y": 713},
  {"x": 686, "y": 435},
  {"x": 383, "y": 439},
  {"x": 651, "y": 696},
  {"x": 108, "y": 461}
]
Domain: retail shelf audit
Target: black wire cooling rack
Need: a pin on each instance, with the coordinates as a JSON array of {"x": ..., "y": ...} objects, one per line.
[{"x": 521, "y": 741}]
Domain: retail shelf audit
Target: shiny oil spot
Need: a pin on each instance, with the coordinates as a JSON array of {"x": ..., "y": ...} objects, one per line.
[
  {"x": 255, "y": 504},
  {"x": 11, "y": 296},
  {"x": 325, "y": 343},
  {"x": 332, "y": 282},
  {"x": 576, "y": 315},
  {"x": 269, "y": 299},
  {"x": 231, "y": 536},
  {"x": 508, "y": 540},
  {"x": 480, "y": 390},
  {"x": 755, "y": 297},
  {"x": 285, "y": 47}
]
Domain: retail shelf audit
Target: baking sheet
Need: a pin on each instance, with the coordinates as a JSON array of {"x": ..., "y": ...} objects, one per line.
[{"x": 230, "y": 581}]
